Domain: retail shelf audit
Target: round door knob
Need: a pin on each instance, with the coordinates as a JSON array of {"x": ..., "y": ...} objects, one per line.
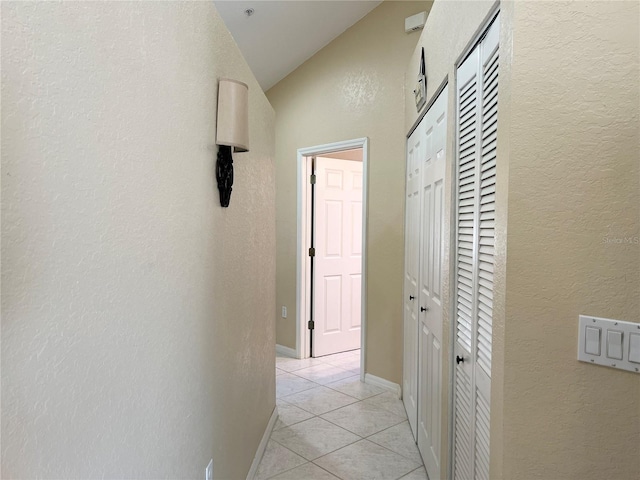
[
  {"x": 411, "y": 297},
  {"x": 424, "y": 309},
  {"x": 459, "y": 359}
]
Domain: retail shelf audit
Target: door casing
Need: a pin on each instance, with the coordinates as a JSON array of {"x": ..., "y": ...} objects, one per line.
[{"x": 302, "y": 249}]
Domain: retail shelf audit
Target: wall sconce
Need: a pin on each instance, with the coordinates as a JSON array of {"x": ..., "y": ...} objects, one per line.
[{"x": 232, "y": 131}]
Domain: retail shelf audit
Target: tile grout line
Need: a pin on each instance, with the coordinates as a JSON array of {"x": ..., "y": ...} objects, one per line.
[
  {"x": 328, "y": 385},
  {"x": 361, "y": 437},
  {"x": 370, "y": 441},
  {"x": 342, "y": 427},
  {"x": 392, "y": 451},
  {"x": 330, "y": 473},
  {"x": 356, "y": 400},
  {"x": 328, "y": 411},
  {"x": 293, "y": 372},
  {"x": 331, "y": 451}
]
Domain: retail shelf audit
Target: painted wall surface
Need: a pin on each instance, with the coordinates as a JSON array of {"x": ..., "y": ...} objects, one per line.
[
  {"x": 137, "y": 315},
  {"x": 568, "y": 194},
  {"x": 351, "y": 89},
  {"x": 574, "y": 192}
]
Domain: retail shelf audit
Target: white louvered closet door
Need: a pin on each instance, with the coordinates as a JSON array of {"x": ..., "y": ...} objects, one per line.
[{"x": 477, "y": 97}]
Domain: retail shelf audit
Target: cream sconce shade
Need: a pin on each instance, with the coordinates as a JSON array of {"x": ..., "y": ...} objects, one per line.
[
  {"x": 233, "y": 115},
  {"x": 232, "y": 130}
]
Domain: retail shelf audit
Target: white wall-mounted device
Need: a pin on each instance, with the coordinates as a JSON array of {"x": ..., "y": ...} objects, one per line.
[
  {"x": 415, "y": 22},
  {"x": 610, "y": 343}
]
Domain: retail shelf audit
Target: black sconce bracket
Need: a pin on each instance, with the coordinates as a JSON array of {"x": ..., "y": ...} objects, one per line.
[{"x": 224, "y": 174}]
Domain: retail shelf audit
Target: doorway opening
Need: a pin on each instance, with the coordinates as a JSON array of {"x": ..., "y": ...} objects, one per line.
[{"x": 331, "y": 250}]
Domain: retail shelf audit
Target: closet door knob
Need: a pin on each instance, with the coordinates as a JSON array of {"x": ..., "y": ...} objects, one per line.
[
  {"x": 424, "y": 309},
  {"x": 459, "y": 359},
  {"x": 411, "y": 297}
]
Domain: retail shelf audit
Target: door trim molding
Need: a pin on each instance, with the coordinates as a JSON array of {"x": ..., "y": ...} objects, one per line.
[{"x": 302, "y": 343}]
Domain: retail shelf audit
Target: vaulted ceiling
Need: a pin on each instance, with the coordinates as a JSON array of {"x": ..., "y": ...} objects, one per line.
[{"x": 276, "y": 37}]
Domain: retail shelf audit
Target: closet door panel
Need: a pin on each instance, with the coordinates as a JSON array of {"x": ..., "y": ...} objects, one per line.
[
  {"x": 465, "y": 241},
  {"x": 415, "y": 149},
  {"x": 430, "y": 315},
  {"x": 475, "y": 182}
]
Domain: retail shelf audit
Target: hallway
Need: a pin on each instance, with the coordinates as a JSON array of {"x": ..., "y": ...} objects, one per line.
[{"x": 332, "y": 426}]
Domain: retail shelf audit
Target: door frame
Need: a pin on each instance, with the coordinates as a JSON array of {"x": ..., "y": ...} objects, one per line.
[{"x": 302, "y": 256}]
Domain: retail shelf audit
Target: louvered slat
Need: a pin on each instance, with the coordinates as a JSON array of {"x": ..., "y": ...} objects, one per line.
[
  {"x": 462, "y": 443},
  {"x": 482, "y": 438},
  {"x": 467, "y": 147},
  {"x": 487, "y": 186},
  {"x": 467, "y": 211}
]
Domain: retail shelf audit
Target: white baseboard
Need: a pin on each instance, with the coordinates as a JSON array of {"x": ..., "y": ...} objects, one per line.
[
  {"x": 382, "y": 383},
  {"x": 287, "y": 351},
  {"x": 263, "y": 445}
]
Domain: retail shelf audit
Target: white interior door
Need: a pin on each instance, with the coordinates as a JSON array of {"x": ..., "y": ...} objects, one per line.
[
  {"x": 338, "y": 256},
  {"x": 415, "y": 149},
  {"x": 430, "y": 294},
  {"x": 477, "y": 100}
]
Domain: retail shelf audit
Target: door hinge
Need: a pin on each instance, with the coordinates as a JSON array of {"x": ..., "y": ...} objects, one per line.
[
  {"x": 312, "y": 324},
  {"x": 312, "y": 252},
  {"x": 312, "y": 179}
]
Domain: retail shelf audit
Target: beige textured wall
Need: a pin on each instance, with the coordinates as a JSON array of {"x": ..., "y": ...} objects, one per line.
[
  {"x": 137, "y": 315},
  {"x": 574, "y": 185},
  {"x": 568, "y": 180},
  {"x": 352, "y": 88}
]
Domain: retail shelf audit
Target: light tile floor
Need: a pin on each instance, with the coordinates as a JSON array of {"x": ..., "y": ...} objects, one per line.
[{"x": 332, "y": 426}]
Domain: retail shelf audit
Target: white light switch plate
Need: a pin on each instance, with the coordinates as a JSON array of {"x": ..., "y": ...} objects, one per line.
[{"x": 608, "y": 340}]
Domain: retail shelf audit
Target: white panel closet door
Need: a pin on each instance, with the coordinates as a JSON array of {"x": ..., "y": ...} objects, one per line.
[
  {"x": 338, "y": 261},
  {"x": 422, "y": 374},
  {"x": 415, "y": 152},
  {"x": 434, "y": 125},
  {"x": 477, "y": 95}
]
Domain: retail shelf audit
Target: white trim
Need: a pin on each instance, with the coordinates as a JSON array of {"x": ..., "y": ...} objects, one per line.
[
  {"x": 302, "y": 347},
  {"x": 286, "y": 351},
  {"x": 365, "y": 223},
  {"x": 382, "y": 383},
  {"x": 263, "y": 445},
  {"x": 301, "y": 200}
]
